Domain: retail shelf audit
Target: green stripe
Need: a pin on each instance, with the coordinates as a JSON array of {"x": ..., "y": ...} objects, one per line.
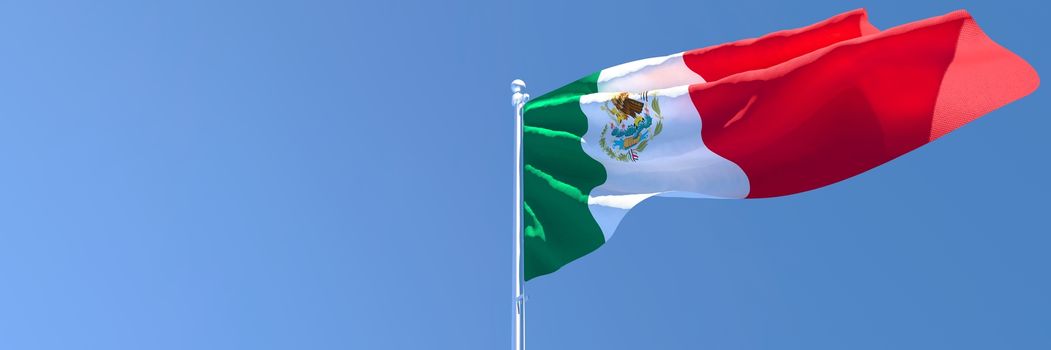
[
  {"x": 557, "y": 179},
  {"x": 550, "y": 133},
  {"x": 533, "y": 228},
  {"x": 566, "y": 189}
]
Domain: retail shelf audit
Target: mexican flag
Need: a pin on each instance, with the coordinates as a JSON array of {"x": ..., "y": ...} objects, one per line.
[{"x": 786, "y": 113}]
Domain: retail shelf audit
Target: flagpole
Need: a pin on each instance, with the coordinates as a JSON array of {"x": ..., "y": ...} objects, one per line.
[{"x": 519, "y": 100}]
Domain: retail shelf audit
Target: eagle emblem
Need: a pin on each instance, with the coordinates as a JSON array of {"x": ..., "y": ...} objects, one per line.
[{"x": 633, "y": 123}]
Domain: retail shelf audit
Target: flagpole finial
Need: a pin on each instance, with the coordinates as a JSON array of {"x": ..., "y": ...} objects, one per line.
[{"x": 519, "y": 98}]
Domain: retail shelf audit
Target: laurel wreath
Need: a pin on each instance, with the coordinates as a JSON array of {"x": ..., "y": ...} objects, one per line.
[{"x": 609, "y": 150}]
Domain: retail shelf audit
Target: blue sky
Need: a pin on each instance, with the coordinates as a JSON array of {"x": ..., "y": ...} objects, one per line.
[{"x": 337, "y": 175}]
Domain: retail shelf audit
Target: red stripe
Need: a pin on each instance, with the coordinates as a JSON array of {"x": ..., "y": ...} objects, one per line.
[
  {"x": 717, "y": 62},
  {"x": 983, "y": 76},
  {"x": 844, "y": 109}
]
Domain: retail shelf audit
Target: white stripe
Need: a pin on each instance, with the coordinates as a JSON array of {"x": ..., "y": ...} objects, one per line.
[
  {"x": 675, "y": 163},
  {"x": 623, "y": 201},
  {"x": 648, "y": 74}
]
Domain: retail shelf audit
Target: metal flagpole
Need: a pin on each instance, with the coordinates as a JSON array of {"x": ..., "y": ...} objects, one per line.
[{"x": 519, "y": 100}]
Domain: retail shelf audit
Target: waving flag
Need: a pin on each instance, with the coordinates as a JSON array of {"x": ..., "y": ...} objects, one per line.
[{"x": 785, "y": 113}]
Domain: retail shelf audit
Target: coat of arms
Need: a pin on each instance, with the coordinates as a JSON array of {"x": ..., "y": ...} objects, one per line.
[{"x": 633, "y": 123}]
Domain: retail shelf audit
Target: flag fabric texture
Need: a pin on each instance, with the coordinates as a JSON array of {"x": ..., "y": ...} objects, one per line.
[{"x": 784, "y": 113}]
